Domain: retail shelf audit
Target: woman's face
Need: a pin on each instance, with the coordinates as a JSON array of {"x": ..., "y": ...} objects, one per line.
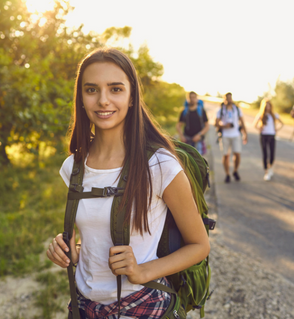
[
  {"x": 268, "y": 107},
  {"x": 106, "y": 94}
]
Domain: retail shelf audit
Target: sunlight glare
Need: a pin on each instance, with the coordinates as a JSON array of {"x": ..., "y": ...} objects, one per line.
[{"x": 39, "y": 5}]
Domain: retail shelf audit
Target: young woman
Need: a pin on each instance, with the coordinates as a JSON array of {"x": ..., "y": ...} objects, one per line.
[
  {"x": 111, "y": 128},
  {"x": 266, "y": 122}
]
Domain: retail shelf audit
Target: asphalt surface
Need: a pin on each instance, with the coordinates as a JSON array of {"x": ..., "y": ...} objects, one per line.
[{"x": 256, "y": 218}]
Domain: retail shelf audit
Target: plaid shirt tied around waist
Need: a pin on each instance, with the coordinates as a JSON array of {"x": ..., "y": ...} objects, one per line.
[{"x": 146, "y": 303}]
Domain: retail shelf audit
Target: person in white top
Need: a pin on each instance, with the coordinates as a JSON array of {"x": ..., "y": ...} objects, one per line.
[
  {"x": 229, "y": 121},
  {"x": 266, "y": 122},
  {"x": 111, "y": 128}
]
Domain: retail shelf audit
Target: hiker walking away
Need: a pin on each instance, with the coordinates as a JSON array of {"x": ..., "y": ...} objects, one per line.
[
  {"x": 266, "y": 122},
  {"x": 229, "y": 121},
  {"x": 112, "y": 131},
  {"x": 193, "y": 124}
]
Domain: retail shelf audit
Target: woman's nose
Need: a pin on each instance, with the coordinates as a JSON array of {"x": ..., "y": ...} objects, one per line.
[{"x": 103, "y": 99}]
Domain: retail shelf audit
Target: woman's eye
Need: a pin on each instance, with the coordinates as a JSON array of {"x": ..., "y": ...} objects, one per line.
[
  {"x": 91, "y": 90},
  {"x": 116, "y": 89}
]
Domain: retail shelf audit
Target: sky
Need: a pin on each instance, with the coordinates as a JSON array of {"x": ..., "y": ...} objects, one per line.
[{"x": 207, "y": 46}]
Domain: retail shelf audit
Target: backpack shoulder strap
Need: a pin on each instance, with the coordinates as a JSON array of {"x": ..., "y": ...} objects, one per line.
[
  {"x": 222, "y": 110},
  {"x": 120, "y": 231},
  {"x": 200, "y": 113},
  {"x": 76, "y": 180},
  {"x": 238, "y": 111}
]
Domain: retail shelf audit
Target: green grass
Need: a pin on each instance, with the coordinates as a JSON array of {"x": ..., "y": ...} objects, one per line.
[
  {"x": 53, "y": 295},
  {"x": 32, "y": 207}
]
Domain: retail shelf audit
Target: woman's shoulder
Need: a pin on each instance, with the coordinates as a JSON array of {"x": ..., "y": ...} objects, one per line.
[
  {"x": 66, "y": 168},
  {"x": 164, "y": 166},
  {"x": 164, "y": 159},
  {"x": 68, "y": 162},
  {"x": 162, "y": 154}
]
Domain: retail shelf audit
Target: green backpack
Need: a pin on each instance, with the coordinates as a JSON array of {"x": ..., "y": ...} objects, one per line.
[{"x": 190, "y": 287}]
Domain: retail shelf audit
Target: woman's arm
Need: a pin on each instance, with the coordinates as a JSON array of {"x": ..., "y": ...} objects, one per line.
[
  {"x": 256, "y": 121},
  {"x": 179, "y": 199},
  {"x": 281, "y": 122}
]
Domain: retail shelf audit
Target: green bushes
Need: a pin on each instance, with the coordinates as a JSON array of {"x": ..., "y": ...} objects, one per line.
[{"x": 32, "y": 206}]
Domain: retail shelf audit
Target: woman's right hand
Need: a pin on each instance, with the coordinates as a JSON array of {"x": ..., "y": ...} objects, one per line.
[{"x": 57, "y": 249}]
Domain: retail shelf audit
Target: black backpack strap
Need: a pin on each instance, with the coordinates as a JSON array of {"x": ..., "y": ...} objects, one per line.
[
  {"x": 76, "y": 180},
  {"x": 120, "y": 231},
  {"x": 222, "y": 110},
  {"x": 158, "y": 286},
  {"x": 95, "y": 192}
]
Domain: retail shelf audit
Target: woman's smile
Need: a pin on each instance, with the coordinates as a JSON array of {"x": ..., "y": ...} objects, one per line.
[{"x": 104, "y": 114}]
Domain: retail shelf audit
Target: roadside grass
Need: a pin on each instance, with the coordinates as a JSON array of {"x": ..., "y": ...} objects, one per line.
[
  {"x": 53, "y": 295},
  {"x": 32, "y": 205}
]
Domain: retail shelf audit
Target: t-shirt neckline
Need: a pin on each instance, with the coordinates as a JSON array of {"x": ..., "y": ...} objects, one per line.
[{"x": 97, "y": 170}]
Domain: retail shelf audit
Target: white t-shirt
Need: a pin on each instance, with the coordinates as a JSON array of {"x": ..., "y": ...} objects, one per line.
[
  {"x": 269, "y": 128},
  {"x": 93, "y": 276},
  {"x": 230, "y": 116}
]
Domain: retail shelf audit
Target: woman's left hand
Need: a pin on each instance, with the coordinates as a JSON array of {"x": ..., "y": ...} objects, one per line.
[{"x": 122, "y": 261}]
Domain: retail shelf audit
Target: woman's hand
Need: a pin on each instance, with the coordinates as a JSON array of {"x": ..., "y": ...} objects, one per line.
[
  {"x": 122, "y": 261},
  {"x": 57, "y": 249}
]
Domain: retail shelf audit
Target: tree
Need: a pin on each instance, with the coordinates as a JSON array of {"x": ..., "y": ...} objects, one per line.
[
  {"x": 283, "y": 99},
  {"x": 38, "y": 61},
  {"x": 284, "y": 96},
  {"x": 164, "y": 100}
]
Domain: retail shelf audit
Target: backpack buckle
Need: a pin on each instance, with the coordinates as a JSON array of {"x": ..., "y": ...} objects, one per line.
[
  {"x": 211, "y": 224},
  {"x": 111, "y": 191},
  {"x": 76, "y": 188}
]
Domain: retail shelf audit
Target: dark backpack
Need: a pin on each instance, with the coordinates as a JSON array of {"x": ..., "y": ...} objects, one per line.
[{"x": 190, "y": 287}]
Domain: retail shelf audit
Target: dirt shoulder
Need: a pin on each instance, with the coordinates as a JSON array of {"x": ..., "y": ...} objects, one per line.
[{"x": 243, "y": 287}]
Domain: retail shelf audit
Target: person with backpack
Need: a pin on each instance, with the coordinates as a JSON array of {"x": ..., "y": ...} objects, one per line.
[
  {"x": 266, "y": 122},
  {"x": 123, "y": 176},
  {"x": 193, "y": 123},
  {"x": 229, "y": 123}
]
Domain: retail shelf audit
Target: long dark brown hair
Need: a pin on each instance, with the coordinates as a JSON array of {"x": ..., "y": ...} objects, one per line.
[
  {"x": 141, "y": 133},
  {"x": 263, "y": 112}
]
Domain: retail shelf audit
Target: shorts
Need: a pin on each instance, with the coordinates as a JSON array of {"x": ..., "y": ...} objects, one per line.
[{"x": 231, "y": 143}]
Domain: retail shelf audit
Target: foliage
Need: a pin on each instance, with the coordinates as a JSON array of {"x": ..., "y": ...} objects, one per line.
[
  {"x": 165, "y": 101},
  {"x": 53, "y": 293},
  {"x": 38, "y": 61},
  {"x": 283, "y": 99},
  {"x": 32, "y": 207}
]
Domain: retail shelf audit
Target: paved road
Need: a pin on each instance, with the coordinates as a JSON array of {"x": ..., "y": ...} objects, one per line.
[{"x": 257, "y": 217}]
